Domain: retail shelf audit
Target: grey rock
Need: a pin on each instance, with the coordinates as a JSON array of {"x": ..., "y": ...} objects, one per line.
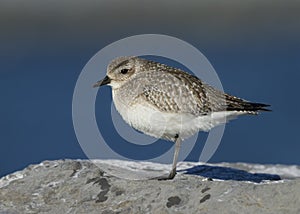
[{"x": 81, "y": 186}]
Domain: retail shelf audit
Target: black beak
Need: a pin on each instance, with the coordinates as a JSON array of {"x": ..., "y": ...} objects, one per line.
[{"x": 105, "y": 81}]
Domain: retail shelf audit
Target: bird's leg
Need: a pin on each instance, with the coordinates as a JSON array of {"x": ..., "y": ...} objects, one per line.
[{"x": 175, "y": 158}]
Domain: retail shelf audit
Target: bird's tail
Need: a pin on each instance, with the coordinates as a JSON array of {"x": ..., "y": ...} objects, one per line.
[
  {"x": 254, "y": 108},
  {"x": 236, "y": 104}
]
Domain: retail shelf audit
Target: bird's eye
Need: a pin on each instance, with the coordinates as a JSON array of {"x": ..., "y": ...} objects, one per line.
[{"x": 124, "y": 71}]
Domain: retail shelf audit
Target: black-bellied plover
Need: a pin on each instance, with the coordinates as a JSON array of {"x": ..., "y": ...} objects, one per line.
[{"x": 169, "y": 103}]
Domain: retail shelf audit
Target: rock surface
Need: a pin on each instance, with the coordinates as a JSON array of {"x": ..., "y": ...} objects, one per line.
[{"x": 81, "y": 186}]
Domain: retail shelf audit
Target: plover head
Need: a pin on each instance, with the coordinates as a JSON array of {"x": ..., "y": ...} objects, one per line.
[{"x": 119, "y": 71}]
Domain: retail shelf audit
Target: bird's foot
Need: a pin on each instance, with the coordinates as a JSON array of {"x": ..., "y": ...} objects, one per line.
[{"x": 166, "y": 177}]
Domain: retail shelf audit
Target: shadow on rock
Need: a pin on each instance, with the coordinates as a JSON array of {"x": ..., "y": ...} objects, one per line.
[{"x": 228, "y": 173}]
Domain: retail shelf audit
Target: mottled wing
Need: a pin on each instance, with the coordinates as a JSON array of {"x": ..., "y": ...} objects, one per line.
[
  {"x": 213, "y": 100},
  {"x": 216, "y": 101},
  {"x": 175, "y": 92},
  {"x": 160, "y": 99},
  {"x": 178, "y": 91}
]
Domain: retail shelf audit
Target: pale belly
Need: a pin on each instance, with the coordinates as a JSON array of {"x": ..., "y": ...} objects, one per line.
[
  {"x": 149, "y": 120},
  {"x": 158, "y": 124}
]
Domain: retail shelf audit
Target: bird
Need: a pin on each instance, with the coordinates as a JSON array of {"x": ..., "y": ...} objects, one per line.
[{"x": 169, "y": 103}]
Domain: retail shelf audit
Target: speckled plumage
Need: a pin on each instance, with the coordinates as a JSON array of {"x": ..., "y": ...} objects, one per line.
[
  {"x": 168, "y": 91},
  {"x": 167, "y": 102}
]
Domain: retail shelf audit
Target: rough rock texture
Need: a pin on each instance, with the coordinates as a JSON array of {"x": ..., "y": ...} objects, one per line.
[{"x": 78, "y": 186}]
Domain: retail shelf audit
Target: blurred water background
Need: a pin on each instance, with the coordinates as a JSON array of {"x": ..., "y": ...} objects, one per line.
[{"x": 253, "y": 45}]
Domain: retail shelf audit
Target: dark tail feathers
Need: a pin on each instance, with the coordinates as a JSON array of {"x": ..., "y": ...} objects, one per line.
[{"x": 249, "y": 107}]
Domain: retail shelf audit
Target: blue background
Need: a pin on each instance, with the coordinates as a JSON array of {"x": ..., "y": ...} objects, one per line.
[{"x": 254, "y": 46}]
